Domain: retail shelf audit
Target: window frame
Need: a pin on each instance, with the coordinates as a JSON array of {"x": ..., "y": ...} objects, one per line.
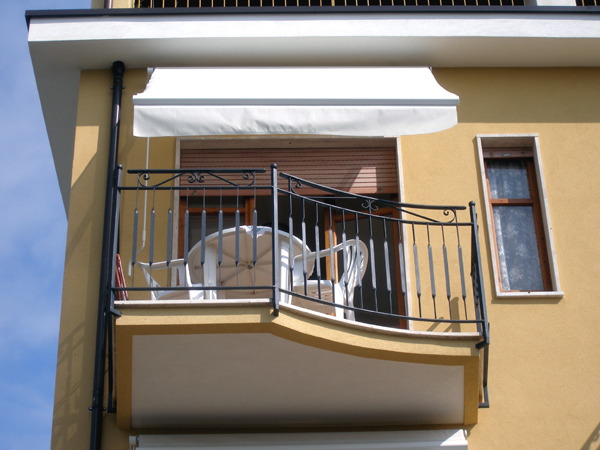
[{"x": 521, "y": 146}]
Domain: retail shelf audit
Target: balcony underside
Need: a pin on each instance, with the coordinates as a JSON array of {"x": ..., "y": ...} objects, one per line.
[{"x": 236, "y": 365}]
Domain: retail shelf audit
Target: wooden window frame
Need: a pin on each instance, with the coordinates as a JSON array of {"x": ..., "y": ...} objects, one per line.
[
  {"x": 524, "y": 147},
  {"x": 524, "y": 155}
]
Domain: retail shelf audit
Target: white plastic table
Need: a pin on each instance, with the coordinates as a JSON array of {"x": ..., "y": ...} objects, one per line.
[{"x": 245, "y": 273}]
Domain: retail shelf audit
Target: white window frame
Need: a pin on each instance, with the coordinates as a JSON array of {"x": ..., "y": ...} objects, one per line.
[{"x": 519, "y": 140}]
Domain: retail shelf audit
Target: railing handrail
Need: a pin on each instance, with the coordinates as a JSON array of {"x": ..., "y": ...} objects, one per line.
[
  {"x": 427, "y": 221},
  {"x": 397, "y": 205}
]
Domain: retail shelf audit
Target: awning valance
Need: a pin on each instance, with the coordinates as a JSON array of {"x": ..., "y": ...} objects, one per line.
[
  {"x": 341, "y": 101},
  {"x": 382, "y": 440}
]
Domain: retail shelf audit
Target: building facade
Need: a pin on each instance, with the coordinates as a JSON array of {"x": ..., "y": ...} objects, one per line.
[{"x": 417, "y": 270}]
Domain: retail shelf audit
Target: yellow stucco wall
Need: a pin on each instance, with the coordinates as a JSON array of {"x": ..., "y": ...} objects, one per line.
[
  {"x": 115, "y": 4},
  {"x": 72, "y": 420},
  {"x": 544, "y": 353}
]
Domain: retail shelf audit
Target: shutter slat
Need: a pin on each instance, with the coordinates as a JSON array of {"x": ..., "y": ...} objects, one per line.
[{"x": 363, "y": 170}]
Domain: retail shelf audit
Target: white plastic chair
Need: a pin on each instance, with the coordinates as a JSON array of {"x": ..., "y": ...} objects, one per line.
[
  {"x": 343, "y": 289},
  {"x": 183, "y": 275}
]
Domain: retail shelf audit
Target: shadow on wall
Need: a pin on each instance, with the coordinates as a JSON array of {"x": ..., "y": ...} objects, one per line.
[{"x": 593, "y": 442}]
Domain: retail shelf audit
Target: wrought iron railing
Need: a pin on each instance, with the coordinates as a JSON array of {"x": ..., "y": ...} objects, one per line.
[
  {"x": 207, "y": 235},
  {"x": 319, "y": 3},
  {"x": 224, "y": 234}
]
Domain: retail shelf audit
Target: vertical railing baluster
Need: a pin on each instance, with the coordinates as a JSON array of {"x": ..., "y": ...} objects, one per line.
[
  {"x": 152, "y": 229},
  {"x": 254, "y": 238},
  {"x": 135, "y": 232},
  {"x": 237, "y": 236},
  {"x": 372, "y": 250},
  {"x": 169, "y": 228},
  {"x": 291, "y": 234},
  {"x": 186, "y": 229},
  {"x": 388, "y": 278},
  {"x": 417, "y": 270},
  {"x": 304, "y": 265},
  {"x": 359, "y": 262},
  {"x": 317, "y": 250},
  {"x": 220, "y": 231},
  {"x": 203, "y": 234},
  {"x": 114, "y": 239},
  {"x": 114, "y": 233},
  {"x": 331, "y": 256},
  {"x": 344, "y": 255},
  {"x": 275, "y": 240},
  {"x": 431, "y": 273},
  {"x": 401, "y": 265},
  {"x": 447, "y": 271},
  {"x": 477, "y": 274},
  {"x": 462, "y": 273}
]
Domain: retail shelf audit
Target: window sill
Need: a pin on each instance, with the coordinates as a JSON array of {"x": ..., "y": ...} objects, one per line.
[{"x": 529, "y": 295}]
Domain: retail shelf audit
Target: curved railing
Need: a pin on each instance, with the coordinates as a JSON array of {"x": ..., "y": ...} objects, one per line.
[
  {"x": 404, "y": 243},
  {"x": 225, "y": 233},
  {"x": 212, "y": 234}
]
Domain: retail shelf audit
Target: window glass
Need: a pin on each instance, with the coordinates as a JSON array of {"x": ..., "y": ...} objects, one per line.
[
  {"x": 508, "y": 178},
  {"x": 514, "y": 202},
  {"x": 517, "y": 246}
]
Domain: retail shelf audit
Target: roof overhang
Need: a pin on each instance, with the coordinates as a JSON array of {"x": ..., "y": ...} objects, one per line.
[
  {"x": 392, "y": 101},
  {"x": 64, "y": 43}
]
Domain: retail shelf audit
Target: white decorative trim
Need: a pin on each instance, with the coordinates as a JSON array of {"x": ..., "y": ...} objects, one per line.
[
  {"x": 351, "y": 440},
  {"x": 520, "y": 140},
  {"x": 549, "y": 295}
]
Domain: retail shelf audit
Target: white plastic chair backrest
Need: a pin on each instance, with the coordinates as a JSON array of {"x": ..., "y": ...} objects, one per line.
[
  {"x": 350, "y": 271},
  {"x": 183, "y": 274}
]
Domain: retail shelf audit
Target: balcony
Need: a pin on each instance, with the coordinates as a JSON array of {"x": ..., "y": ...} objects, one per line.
[
  {"x": 258, "y": 299},
  {"x": 316, "y": 4}
]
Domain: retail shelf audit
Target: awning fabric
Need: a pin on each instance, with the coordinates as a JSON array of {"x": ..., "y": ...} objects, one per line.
[
  {"x": 340, "y": 101},
  {"x": 382, "y": 440}
]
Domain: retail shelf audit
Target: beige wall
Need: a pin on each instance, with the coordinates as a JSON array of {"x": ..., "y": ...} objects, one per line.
[
  {"x": 544, "y": 353},
  {"x": 115, "y": 4},
  {"x": 543, "y": 358},
  {"x": 75, "y": 368}
]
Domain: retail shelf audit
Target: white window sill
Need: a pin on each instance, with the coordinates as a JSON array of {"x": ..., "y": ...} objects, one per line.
[{"x": 529, "y": 295}]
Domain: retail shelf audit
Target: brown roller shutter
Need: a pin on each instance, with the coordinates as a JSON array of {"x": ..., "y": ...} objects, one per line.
[{"x": 357, "y": 166}]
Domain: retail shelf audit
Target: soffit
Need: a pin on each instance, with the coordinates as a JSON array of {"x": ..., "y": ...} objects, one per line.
[{"x": 258, "y": 379}]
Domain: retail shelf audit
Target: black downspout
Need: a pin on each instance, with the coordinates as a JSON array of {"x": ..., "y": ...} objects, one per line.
[{"x": 118, "y": 69}]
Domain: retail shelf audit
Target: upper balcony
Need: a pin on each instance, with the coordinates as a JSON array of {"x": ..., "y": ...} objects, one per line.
[
  {"x": 256, "y": 299},
  {"x": 317, "y": 3}
]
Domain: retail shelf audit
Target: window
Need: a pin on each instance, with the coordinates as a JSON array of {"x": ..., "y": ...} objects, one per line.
[{"x": 518, "y": 219}]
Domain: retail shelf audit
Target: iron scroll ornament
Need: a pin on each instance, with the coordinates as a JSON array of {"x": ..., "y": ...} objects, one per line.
[{"x": 196, "y": 177}]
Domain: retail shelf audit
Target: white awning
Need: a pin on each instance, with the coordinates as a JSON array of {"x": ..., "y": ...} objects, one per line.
[
  {"x": 382, "y": 440},
  {"x": 340, "y": 101}
]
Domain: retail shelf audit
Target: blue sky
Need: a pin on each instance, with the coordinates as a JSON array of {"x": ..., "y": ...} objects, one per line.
[{"x": 33, "y": 227}]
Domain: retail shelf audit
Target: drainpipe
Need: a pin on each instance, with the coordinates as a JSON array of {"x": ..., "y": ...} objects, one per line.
[
  {"x": 107, "y": 4},
  {"x": 118, "y": 69}
]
